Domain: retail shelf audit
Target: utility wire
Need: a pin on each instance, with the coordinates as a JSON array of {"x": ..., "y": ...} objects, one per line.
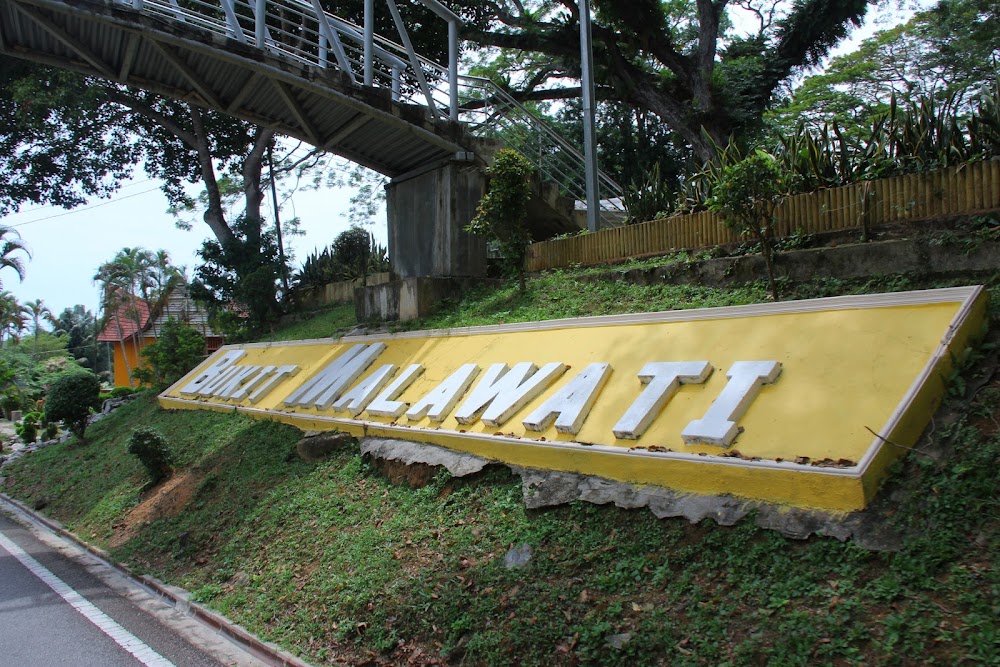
[
  {"x": 85, "y": 208},
  {"x": 45, "y": 206}
]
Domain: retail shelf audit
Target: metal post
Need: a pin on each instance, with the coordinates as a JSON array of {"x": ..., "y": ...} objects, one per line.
[
  {"x": 261, "y": 22},
  {"x": 453, "y": 68},
  {"x": 137, "y": 5},
  {"x": 369, "y": 50},
  {"x": 323, "y": 58},
  {"x": 589, "y": 130}
]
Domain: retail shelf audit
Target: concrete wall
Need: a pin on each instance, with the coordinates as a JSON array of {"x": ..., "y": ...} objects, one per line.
[
  {"x": 407, "y": 299},
  {"x": 427, "y": 213},
  {"x": 339, "y": 292}
]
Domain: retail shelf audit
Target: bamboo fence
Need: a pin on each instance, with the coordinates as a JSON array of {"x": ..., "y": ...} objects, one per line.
[{"x": 967, "y": 189}]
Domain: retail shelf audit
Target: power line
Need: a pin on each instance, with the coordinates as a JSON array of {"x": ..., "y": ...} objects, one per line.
[
  {"x": 45, "y": 206},
  {"x": 86, "y": 208}
]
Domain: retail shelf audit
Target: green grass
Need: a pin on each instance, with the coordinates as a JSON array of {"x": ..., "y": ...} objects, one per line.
[
  {"x": 328, "y": 323},
  {"x": 335, "y": 563}
]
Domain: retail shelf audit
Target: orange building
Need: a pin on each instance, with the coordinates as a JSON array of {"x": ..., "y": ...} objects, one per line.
[{"x": 136, "y": 324}]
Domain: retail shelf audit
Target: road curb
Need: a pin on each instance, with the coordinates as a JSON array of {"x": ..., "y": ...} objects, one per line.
[{"x": 177, "y": 598}]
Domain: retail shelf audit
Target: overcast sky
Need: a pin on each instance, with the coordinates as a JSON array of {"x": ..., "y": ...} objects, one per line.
[{"x": 68, "y": 246}]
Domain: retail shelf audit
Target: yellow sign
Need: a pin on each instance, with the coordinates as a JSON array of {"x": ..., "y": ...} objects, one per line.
[{"x": 801, "y": 402}]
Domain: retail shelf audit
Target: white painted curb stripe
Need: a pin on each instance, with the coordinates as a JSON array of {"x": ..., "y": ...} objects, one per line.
[{"x": 104, "y": 623}]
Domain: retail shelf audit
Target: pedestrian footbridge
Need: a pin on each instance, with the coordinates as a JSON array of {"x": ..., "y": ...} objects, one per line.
[{"x": 289, "y": 65}]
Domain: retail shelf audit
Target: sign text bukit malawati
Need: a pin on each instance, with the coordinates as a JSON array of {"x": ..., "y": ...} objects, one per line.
[{"x": 774, "y": 402}]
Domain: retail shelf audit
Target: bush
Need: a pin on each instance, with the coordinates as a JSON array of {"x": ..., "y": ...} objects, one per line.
[
  {"x": 153, "y": 452},
  {"x": 503, "y": 210},
  {"x": 51, "y": 431},
  {"x": 178, "y": 349},
  {"x": 27, "y": 428},
  {"x": 70, "y": 400}
]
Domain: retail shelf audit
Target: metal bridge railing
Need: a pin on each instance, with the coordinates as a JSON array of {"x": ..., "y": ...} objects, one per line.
[{"x": 300, "y": 30}]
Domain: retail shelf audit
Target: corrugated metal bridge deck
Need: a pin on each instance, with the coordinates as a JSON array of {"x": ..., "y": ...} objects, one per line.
[{"x": 319, "y": 106}]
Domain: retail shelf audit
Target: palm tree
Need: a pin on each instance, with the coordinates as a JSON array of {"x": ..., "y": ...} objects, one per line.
[
  {"x": 8, "y": 246},
  {"x": 133, "y": 274},
  {"x": 12, "y": 317},
  {"x": 38, "y": 311}
]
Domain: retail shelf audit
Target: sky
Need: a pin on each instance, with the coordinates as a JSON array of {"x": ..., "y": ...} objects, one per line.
[{"x": 67, "y": 247}]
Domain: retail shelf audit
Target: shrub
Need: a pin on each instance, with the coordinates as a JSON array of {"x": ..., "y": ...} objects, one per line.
[
  {"x": 502, "y": 211},
  {"x": 27, "y": 428},
  {"x": 51, "y": 431},
  {"x": 152, "y": 450},
  {"x": 746, "y": 194},
  {"x": 70, "y": 400},
  {"x": 178, "y": 349}
]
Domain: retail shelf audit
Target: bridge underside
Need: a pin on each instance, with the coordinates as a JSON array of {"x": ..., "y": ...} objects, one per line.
[{"x": 319, "y": 106}]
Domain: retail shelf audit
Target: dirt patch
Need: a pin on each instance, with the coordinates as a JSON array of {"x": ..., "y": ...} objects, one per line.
[{"x": 166, "y": 500}]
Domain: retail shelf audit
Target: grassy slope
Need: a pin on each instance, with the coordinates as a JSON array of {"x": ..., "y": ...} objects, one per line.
[{"x": 334, "y": 562}]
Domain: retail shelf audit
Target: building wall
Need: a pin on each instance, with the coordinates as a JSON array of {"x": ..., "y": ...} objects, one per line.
[{"x": 126, "y": 351}]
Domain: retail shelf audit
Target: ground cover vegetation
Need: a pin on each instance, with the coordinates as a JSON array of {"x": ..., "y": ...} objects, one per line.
[{"x": 336, "y": 563}]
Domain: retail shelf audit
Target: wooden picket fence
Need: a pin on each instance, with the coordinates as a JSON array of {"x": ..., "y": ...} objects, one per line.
[{"x": 966, "y": 189}]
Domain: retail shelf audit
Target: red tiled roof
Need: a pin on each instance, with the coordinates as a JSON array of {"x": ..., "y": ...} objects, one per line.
[{"x": 123, "y": 324}]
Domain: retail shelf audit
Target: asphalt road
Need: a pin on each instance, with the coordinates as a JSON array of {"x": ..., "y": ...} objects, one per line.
[{"x": 61, "y": 606}]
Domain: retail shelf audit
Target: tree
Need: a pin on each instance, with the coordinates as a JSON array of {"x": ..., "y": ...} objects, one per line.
[
  {"x": 746, "y": 194},
  {"x": 503, "y": 209},
  {"x": 133, "y": 284},
  {"x": 10, "y": 243},
  {"x": 78, "y": 326},
  {"x": 60, "y": 144},
  {"x": 680, "y": 61},
  {"x": 951, "y": 49},
  {"x": 178, "y": 349},
  {"x": 175, "y": 141},
  {"x": 238, "y": 279},
  {"x": 13, "y": 317},
  {"x": 70, "y": 400},
  {"x": 38, "y": 311}
]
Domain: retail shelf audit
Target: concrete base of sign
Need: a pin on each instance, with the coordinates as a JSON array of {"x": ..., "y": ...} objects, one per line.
[
  {"x": 407, "y": 299},
  {"x": 546, "y": 488}
]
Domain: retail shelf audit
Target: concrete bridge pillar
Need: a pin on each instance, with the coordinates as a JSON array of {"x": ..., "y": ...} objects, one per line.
[
  {"x": 428, "y": 210},
  {"x": 431, "y": 254}
]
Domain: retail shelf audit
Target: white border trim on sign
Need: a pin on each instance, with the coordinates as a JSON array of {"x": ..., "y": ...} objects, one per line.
[{"x": 967, "y": 296}]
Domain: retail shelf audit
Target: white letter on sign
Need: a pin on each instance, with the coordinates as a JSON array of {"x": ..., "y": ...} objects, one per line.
[
  {"x": 442, "y": 398},
  {"x": 663, "y": 379},
  {"x": 385, "y": 404},
  {"x": 718, "y": 426},
  {"x": 358, "y": 398},
  {"x": 326, "y": 386},
  {"x": 572, "y": 403},
  {"x": 501, "y": 393},
  {"x": 222, "y": 363}
]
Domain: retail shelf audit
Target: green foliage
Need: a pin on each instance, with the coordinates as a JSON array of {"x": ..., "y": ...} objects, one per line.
[
  {"x": 51, "y": 430},
  {"x": 153, "y": 451},
  {"x": 649, "y": 199},
  {"x": 353, "y": 249},
  {"x": 330, "y": 323},
  {"x": 746, "y": 194},
  {"x": 502, "y": 211},
  {"x": 243, "y": 274},
  {"x": 71, "y": 399},
  {"x": 354, "y": 254},
  {"x": 60, "y": 144},
  {"x": 118, "y": 392},
  {"x": 177, "y": 350},
  {"x": 27, "y": 428},
  {"x": 950, "y": 48}
]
